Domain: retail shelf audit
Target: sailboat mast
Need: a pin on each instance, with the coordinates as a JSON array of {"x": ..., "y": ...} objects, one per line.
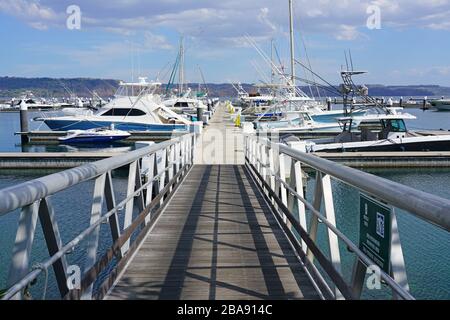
[
  {"x": 291, "y": 33},
  {"x": 181, "y": 71}
]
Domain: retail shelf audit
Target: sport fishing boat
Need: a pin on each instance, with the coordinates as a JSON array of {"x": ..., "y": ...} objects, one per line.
[
  {"x": 94, "y": 136},
  {"x": 376, "y": 132},
  {"x": 297, "y": 121},
  {"x": 441, "y": 104},
  {"x": 134, "y": 108},
  {"x": 185, "y": 105},
  {"x": 34, "y": 103}
]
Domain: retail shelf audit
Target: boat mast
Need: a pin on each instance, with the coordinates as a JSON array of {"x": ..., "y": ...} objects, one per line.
[
  {"x": 291, "y": 33},
  {"x": 181, "y": 71}
]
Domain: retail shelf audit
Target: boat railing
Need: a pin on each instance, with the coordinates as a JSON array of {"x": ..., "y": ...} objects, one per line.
[
  {"x": 154, "y": 173},
  {"x": 282, "y": 171}
]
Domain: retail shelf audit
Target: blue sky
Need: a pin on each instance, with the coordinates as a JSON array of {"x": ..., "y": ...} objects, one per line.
[{"x": 118, "y": 36}]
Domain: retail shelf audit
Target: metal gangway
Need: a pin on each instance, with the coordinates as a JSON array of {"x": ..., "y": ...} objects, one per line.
[{"x": 207, "y": 231}]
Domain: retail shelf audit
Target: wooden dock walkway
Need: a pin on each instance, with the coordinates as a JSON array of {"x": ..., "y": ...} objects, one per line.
[{"x": 216, "y": 239}]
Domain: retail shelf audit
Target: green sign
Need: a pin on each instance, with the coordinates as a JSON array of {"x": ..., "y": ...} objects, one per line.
[{"x": 375, "y": 231}]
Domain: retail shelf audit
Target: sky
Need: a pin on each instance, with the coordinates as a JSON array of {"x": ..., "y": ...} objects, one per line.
[{"x": 399, "y": 42}]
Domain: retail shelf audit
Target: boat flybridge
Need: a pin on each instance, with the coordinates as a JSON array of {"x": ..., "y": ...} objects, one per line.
[
  {"x": 376, "y": 132},
  {"x": 135, "y": 107}
]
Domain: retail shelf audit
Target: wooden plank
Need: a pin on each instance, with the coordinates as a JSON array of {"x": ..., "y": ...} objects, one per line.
[{"x": 210, "y": 245}]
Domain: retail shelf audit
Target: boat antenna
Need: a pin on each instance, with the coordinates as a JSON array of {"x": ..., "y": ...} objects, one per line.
[
  {"x": 291, "y": 34},
  {"x": 317, "y": 75},
  {"x": 272, "y": 72},
  {"x": 351, "y": 60},
  {"x": 267, "y": 60},
  {"x": 346, "y": 60},
  {"x": 203, "y": 79}
]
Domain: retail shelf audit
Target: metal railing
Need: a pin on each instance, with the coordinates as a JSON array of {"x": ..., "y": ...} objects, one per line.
[
  {"x": 154, "y": 174},
  {"x": 279, "y": 171}
]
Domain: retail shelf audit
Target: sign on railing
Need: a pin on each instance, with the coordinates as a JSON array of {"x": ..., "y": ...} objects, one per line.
[{"x": 375, "y": 231}]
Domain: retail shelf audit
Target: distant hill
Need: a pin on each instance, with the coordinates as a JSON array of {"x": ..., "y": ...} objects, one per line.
[{"x": 49, "y": 87}]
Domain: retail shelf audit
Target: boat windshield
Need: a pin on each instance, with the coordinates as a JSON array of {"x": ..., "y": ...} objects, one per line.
[
  {"x": 395, "y": 125},
  {"x": 305, "y": 117},
  {"x": 123, "y": 112},
  {"x": 182, "y": 104}
]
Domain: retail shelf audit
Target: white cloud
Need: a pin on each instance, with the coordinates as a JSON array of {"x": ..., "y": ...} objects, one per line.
[
  {"x": 154, "y": 41},
  {"x": 226, "y": 20},
  {"x": 346, "y": 32},
  {"x": 31, "y": 11}
]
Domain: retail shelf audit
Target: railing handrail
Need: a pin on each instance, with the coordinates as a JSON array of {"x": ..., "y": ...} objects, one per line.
[
  {"x": 429, "y": 207},
  {"x": 26, "y": 193},
  {"x": 168, "y": 170}
]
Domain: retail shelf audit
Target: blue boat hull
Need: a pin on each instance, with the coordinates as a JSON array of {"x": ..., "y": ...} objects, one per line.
[
  {"x": 93, "y": 139},
  {"x": 65, "y": 125}
]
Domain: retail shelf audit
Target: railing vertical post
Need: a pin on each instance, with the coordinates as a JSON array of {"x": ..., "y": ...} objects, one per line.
[
  {"x": 317, "y": 203},
  {"x": 265, "y": 167},
  {"x": 250, "y": 150},
  {"x": 110, "y": 200},
  {"x": 191, "y": 149},
  {"x": 183, "y": 151},
  {"x": 171, "y": 164},
  {"x": 254, "y": 145},
  {"x": 188, "y": 150},
  {"x": 282, "y": 176},
  {"x": 139, "y": 198},
  {"x": 20, "y": 259},
  {"x": 93, "y": 239},
  {"x": 296, "y": 183},
  {"x": 129, "y": 207},
  {"x": 323, "y": 191},
  {"x": 272, "y": 169},
  {"x": 161, "y": 168},
  {"x": 54, "y": 243},
  {"x": 177, "y": 158},
  {"x": 245, "y": 146},
  {"x": 331, "y": 217},
  {"x": 258, "y": 157},
  {"x": 398, "y": 267}
]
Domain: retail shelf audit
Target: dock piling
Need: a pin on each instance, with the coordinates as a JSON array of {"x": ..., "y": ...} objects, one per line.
[
  {"x": 24, "y": 121},
  {"x": 199, "y": 114},
  {"x": 329, "y": 104}
]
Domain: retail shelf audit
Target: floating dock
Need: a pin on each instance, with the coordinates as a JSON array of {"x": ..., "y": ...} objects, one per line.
[
  {"x": 51, "y": 137},
  {"x": 388, "y": 160}
]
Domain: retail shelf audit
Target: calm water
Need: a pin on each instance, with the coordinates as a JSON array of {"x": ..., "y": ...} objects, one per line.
[{"x": 426, "y": 248}]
